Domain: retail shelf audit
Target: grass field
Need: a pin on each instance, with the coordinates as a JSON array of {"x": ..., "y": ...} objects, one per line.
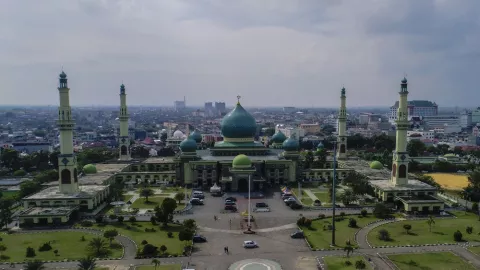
[
  {"x": 450, "y": 180},
  {"x": 160, "y": 267},
  {"x": 137, "y": 234},
  {"x": 318, "y": 238},
  {"x": 7, "y": 194},
  {"x": 305, "y": 198},
  {"x": 152, "y": 202},
  {"x": 126, "y": 198},
  {"x": 427, "y": 261},
  {"x": 442, "y": 231},
  {"x": 338, "y": 263},
  {"x": 68, "y": 244},
  {"x": 475, "y": 250}
]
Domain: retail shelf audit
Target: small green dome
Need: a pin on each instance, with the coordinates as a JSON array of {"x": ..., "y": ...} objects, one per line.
[
  {"x": 290, "y": 144},
  {"x": 188, "y": 145},
  {"x": 404, "y": 80},
  {"x": 241, "y": 161},
  {"x": 320, "y": 146},
  {"x": 196, "y": 136},
  {"x": 376, "y": 165},
  {"x": 279, "y": 137},
  {"x": 239, "y": 124},
  {"x": 90, "y": 169},
  {"x": 63, "y": 75}
]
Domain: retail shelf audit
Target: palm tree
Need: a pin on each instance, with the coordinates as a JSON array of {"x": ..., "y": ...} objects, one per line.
[
  {"x": 87, "y": 263},
  {"x": 348, "y": 249},
  {"x": 430, "y": 222},
  {"x": 156, "y": 263},
  {"x": 35, "y": 265},
  {"x": 98, "y": 245}
]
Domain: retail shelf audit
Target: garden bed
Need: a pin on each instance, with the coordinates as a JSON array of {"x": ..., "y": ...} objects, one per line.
[
  {"x": 340, "y": 263},
  {"x": 437, "y": 261}
]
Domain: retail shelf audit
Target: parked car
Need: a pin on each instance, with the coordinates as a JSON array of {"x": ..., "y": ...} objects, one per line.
[
  {"x": 261, "y": 205},
  {"x": 196, "y": 201},
  {"x": 230, "y": 203},
  {"x": 217, "y": 194},
  {"x": 297, "y": 234},
  {"x": 233, "y": 199},
  {"x": 231, "y": 208},
  {"x": 199, "y": 239},
  {"x": 250, "y": 244},
  {"x": 295, "y": 206},
  {"x": 198, "y": 195},
  {"x": 286, "y": 195},
  {"x": 290, "y": 199}
]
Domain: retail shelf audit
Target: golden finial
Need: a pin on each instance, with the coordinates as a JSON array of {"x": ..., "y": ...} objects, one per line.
[{"x": 238, "y": 99}]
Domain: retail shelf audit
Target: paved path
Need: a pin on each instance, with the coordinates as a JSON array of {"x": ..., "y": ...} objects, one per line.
[
  {"x": 361, "y": 236},
  {"x": 310, "y": 194},
  {"x": 273, "y": 229}
]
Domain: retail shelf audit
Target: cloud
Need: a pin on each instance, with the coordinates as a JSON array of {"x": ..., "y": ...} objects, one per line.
[{"x": 274, "y": 53}]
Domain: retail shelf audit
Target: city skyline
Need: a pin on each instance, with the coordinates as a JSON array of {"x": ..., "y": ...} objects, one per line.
[{"x": 272, "y": 54}]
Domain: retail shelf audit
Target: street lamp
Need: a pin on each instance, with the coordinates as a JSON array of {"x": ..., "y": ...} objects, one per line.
[
  {"x": 249, "y": 205},
  {"x": 333, "y": 190}
]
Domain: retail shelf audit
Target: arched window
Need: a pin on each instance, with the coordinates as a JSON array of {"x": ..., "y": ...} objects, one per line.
[
  {"x": 66, "y": 176},
  {"x": 342, "y": 148},
  {"x": 394, "y": 170},
  {"x": 123, "y": 150},
  {"x": 402, "y": 171}
]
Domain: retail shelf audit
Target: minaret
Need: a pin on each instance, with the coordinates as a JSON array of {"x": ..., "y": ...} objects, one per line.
[
  {"x": 400, "y": 155},
  {"x": 67, "y": 162},
  {"x": 124, "y": 139},
  {"x": 342, "y": 127}
]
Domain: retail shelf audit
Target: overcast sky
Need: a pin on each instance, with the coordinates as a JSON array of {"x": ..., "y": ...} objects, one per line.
[{"x": 271, "y": 52}]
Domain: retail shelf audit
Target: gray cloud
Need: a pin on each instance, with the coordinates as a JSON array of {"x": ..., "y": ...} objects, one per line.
[{"x": 271, "y": 52}]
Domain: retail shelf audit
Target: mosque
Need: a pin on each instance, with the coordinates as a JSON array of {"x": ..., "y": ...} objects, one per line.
[{"x": 87, "y": 193}]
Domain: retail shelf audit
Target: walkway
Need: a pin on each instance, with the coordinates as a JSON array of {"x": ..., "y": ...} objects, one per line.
[
  {"x": 361, "y": 236},
  {"x": 310, "y": 194},
  {"x": 273, "y": 229}
]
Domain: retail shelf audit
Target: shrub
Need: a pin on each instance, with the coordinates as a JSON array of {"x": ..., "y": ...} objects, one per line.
[
  {"x": 112, "y": 216},
  {"x": 469, "y": 229},
  {"x": 457, "y": 236},
  {"x": 412, "y": 263},
  {"x": 149, "y": 249},
  {"x": 120, "y": 219},
  {"x": 407, "y": 228},
  {"x": 321, "y": 216},
  {"x": 99, "y": 219},
  {"x": 170, "y": 234},
  {"x": 475, "y": 207},
  {"x": 352, "y": 223},
  {"x": 384, "y": 235},
  {"x": 30, "y": 252},
  {"x": 144, "y": 242},
  {"x": 45, "y": 247},
  {"x": 348, "y": 263},
  {"x": 19, "y": 173},
  {"x": 86, "y": 223},
  {"x": 83, "y": 238},
  {"x": 56, "y": 252},
  {"x": 342, "y": 214},
  {"x": 381, "y": 211},
  {"x": 364, "y": 213},
  {"x": 132, "y": 219},
  {"x": 360, "y": 264},
  {"x": 307, "y": 223},
  {"x": 163, "y": 249},
  {"x": 301, "y": 221},
  {"x": 153, "y": 220}
]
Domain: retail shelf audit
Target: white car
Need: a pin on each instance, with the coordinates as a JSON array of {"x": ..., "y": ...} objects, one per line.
[
  {"x": 250, "y": 244},
  {"x": 290, "y": 199}
]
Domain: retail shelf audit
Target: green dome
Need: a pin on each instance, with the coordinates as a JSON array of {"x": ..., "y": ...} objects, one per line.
[
  {"x": 90, "y": 169},
  {"x": 290, "y": 145},
  {"x": 376, "y": 165},
  {"x": 320, "y": 145},
  {"x": 196, "y": 136},
  {"x": 239, "y": 124},
  {"x": 63, "y": 75},
  {"x": 188, "y": 145},
  {"x": 279, "y": 137},
  {"x": 241, "y": 161}
]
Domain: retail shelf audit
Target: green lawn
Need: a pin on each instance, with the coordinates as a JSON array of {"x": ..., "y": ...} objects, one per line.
[
  {"x": 475, "y": 250},
  {"x": 160, "y": 267},
  {"x": 318, "y": 238},
  {"x": 338, "y": 263},
  {"x": 305, "y": 198},
  {"x": 426, "y": 261},
  {"x": 137, "y": 234},
  {"x": 442, "y": 231},
  {"x": 140, "y": 203},
  {"x": 7, "y": 194},
  {"x": 126, "y": 198},
  {"x": 68, "y": 244}
]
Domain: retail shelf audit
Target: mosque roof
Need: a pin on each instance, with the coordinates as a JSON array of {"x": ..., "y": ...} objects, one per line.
[
  {"x": 279, "y": 137},
  {"x": 291, "y": 144},
  {"x": 196, "y": 136},
  {"x": 241, "y": 161},
  {"x": 239, "y": 123},
  {"x": 188, "y": 145}
]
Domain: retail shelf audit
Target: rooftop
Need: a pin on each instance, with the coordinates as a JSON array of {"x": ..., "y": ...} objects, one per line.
[
  {"x": 104, "y": 171},
  {"x": 50, "y": 211},
  {"x": 12, "y": 181},
  {"x": 413, "y": 185},
  {"x": 419, "y": 199},
  {"x": 363, "y": 167},
  {"x": 159, "y": 160},
  {"x": 54, "y": 193}
]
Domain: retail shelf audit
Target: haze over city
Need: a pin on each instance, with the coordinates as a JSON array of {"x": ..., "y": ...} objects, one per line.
[{"x": 285, "y": 53}]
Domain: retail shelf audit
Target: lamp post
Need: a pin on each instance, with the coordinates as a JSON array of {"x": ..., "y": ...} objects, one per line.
[
  {"x": 333, "y": 190},
  {"x": 249, "y": 180}
]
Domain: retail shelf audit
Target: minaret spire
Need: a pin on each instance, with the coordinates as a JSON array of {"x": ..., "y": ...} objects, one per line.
[
  {"x": 342, "y": 127},
  {"x": 124, "y": 139},
  {"x": 400, "y": 155},
  {"x": 67, "y": 162}
]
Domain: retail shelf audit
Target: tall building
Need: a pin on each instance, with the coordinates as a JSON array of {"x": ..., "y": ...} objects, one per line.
[
  {"x": 415, "y": 108},
  {"x": 180, "y": 104},
  {"x": 67, "y": 163},
  {"x": 400, "y": 155},
  {"x": 342, "y": 127},
  {"x": 124, "y": 139},
  {"x": 220, "y": 107},
  {"x": 466, "y": 119}
]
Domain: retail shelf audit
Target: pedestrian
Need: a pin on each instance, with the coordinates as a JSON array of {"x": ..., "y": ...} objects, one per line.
[
  {"x": 225, "y": 250},
  {"x": 228, "y": 252}
]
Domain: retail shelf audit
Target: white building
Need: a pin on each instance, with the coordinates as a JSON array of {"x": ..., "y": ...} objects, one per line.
[
  {"x": 466, "y": 119},
  {"x": 420, "y": 135},
  {"x": 415, "y": 108}
]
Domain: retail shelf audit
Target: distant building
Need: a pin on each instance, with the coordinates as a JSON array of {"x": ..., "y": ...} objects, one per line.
[
  {"x": 180, "y": 105},
  {"x": 439, "y": 121},
  {"x": 466, "y": 119},
  {"x": 220, "y": 107},
  {"x": 416, "y": 108},
  {"x": 289, "y": 109},
  {"x": 310, "y": 128},
  {"x": 476, "y": 116},
  {"x": 31, "y": 147}
]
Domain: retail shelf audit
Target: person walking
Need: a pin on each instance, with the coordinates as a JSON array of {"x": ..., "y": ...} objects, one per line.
[{"x": 228, "y": 252}]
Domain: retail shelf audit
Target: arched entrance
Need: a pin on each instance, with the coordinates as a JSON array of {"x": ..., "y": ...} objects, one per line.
[{"x": 242, "y": 185}]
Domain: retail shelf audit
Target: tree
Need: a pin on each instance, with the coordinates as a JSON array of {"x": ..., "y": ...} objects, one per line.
[
  {"x": 3, "y": 248},
  {"x": 457, "y": 236},
  {"x": 5, "y": 212},
  {"x": 28, "y": 188},
  {"x": 469, "y": 229},
  {"x": 383, "y": 235},
  {"x": 475, "y": 207},
  {"x": 164, "y": 212},
  {"x": 10, "y": 159},
  {"x": 53, "y": 159},
  {"x": 156, "y": 262},
  {"x": 146, "y": 192},
  {"x": 352, "y": 223},
  {"x": 86, "y": 263},
  {"x": 360, "y": 264},
  {"x": 35, "y": 265},
  {"x": 46, "y": 176},
  {"x": 348, "y": 249},
  {"x": 381, "y": 211},
  {"x": 348, "y": 197},
  {"x": 117, "y": 191},
  {"x": 190, "y": 224},
  {"x": 97, "y": 245},
  {"x": 430, "y": 222},
  {"x": 179, "y": 196},
  {"x": 163, "y": 249},
  {"x": 110, "y": 235},
  {"x": 416, "y": 148},
  {"x": 185, "y": 235},
  {"x": 309, "y": 158},
  {"x": 407, "y": 228},
  {"x": 140, "y": 152}
]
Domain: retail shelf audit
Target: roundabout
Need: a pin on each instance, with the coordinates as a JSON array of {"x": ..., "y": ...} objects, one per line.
[{"x": 255, "y": 264}]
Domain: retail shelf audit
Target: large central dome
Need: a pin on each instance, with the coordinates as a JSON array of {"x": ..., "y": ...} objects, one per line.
[{"x": 239, "y": 124}]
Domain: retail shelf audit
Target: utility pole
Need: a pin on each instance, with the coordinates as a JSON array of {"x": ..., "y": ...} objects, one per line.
[
  {"x": 333, "y": 191},
  {"x": 249, "y": 180}
]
